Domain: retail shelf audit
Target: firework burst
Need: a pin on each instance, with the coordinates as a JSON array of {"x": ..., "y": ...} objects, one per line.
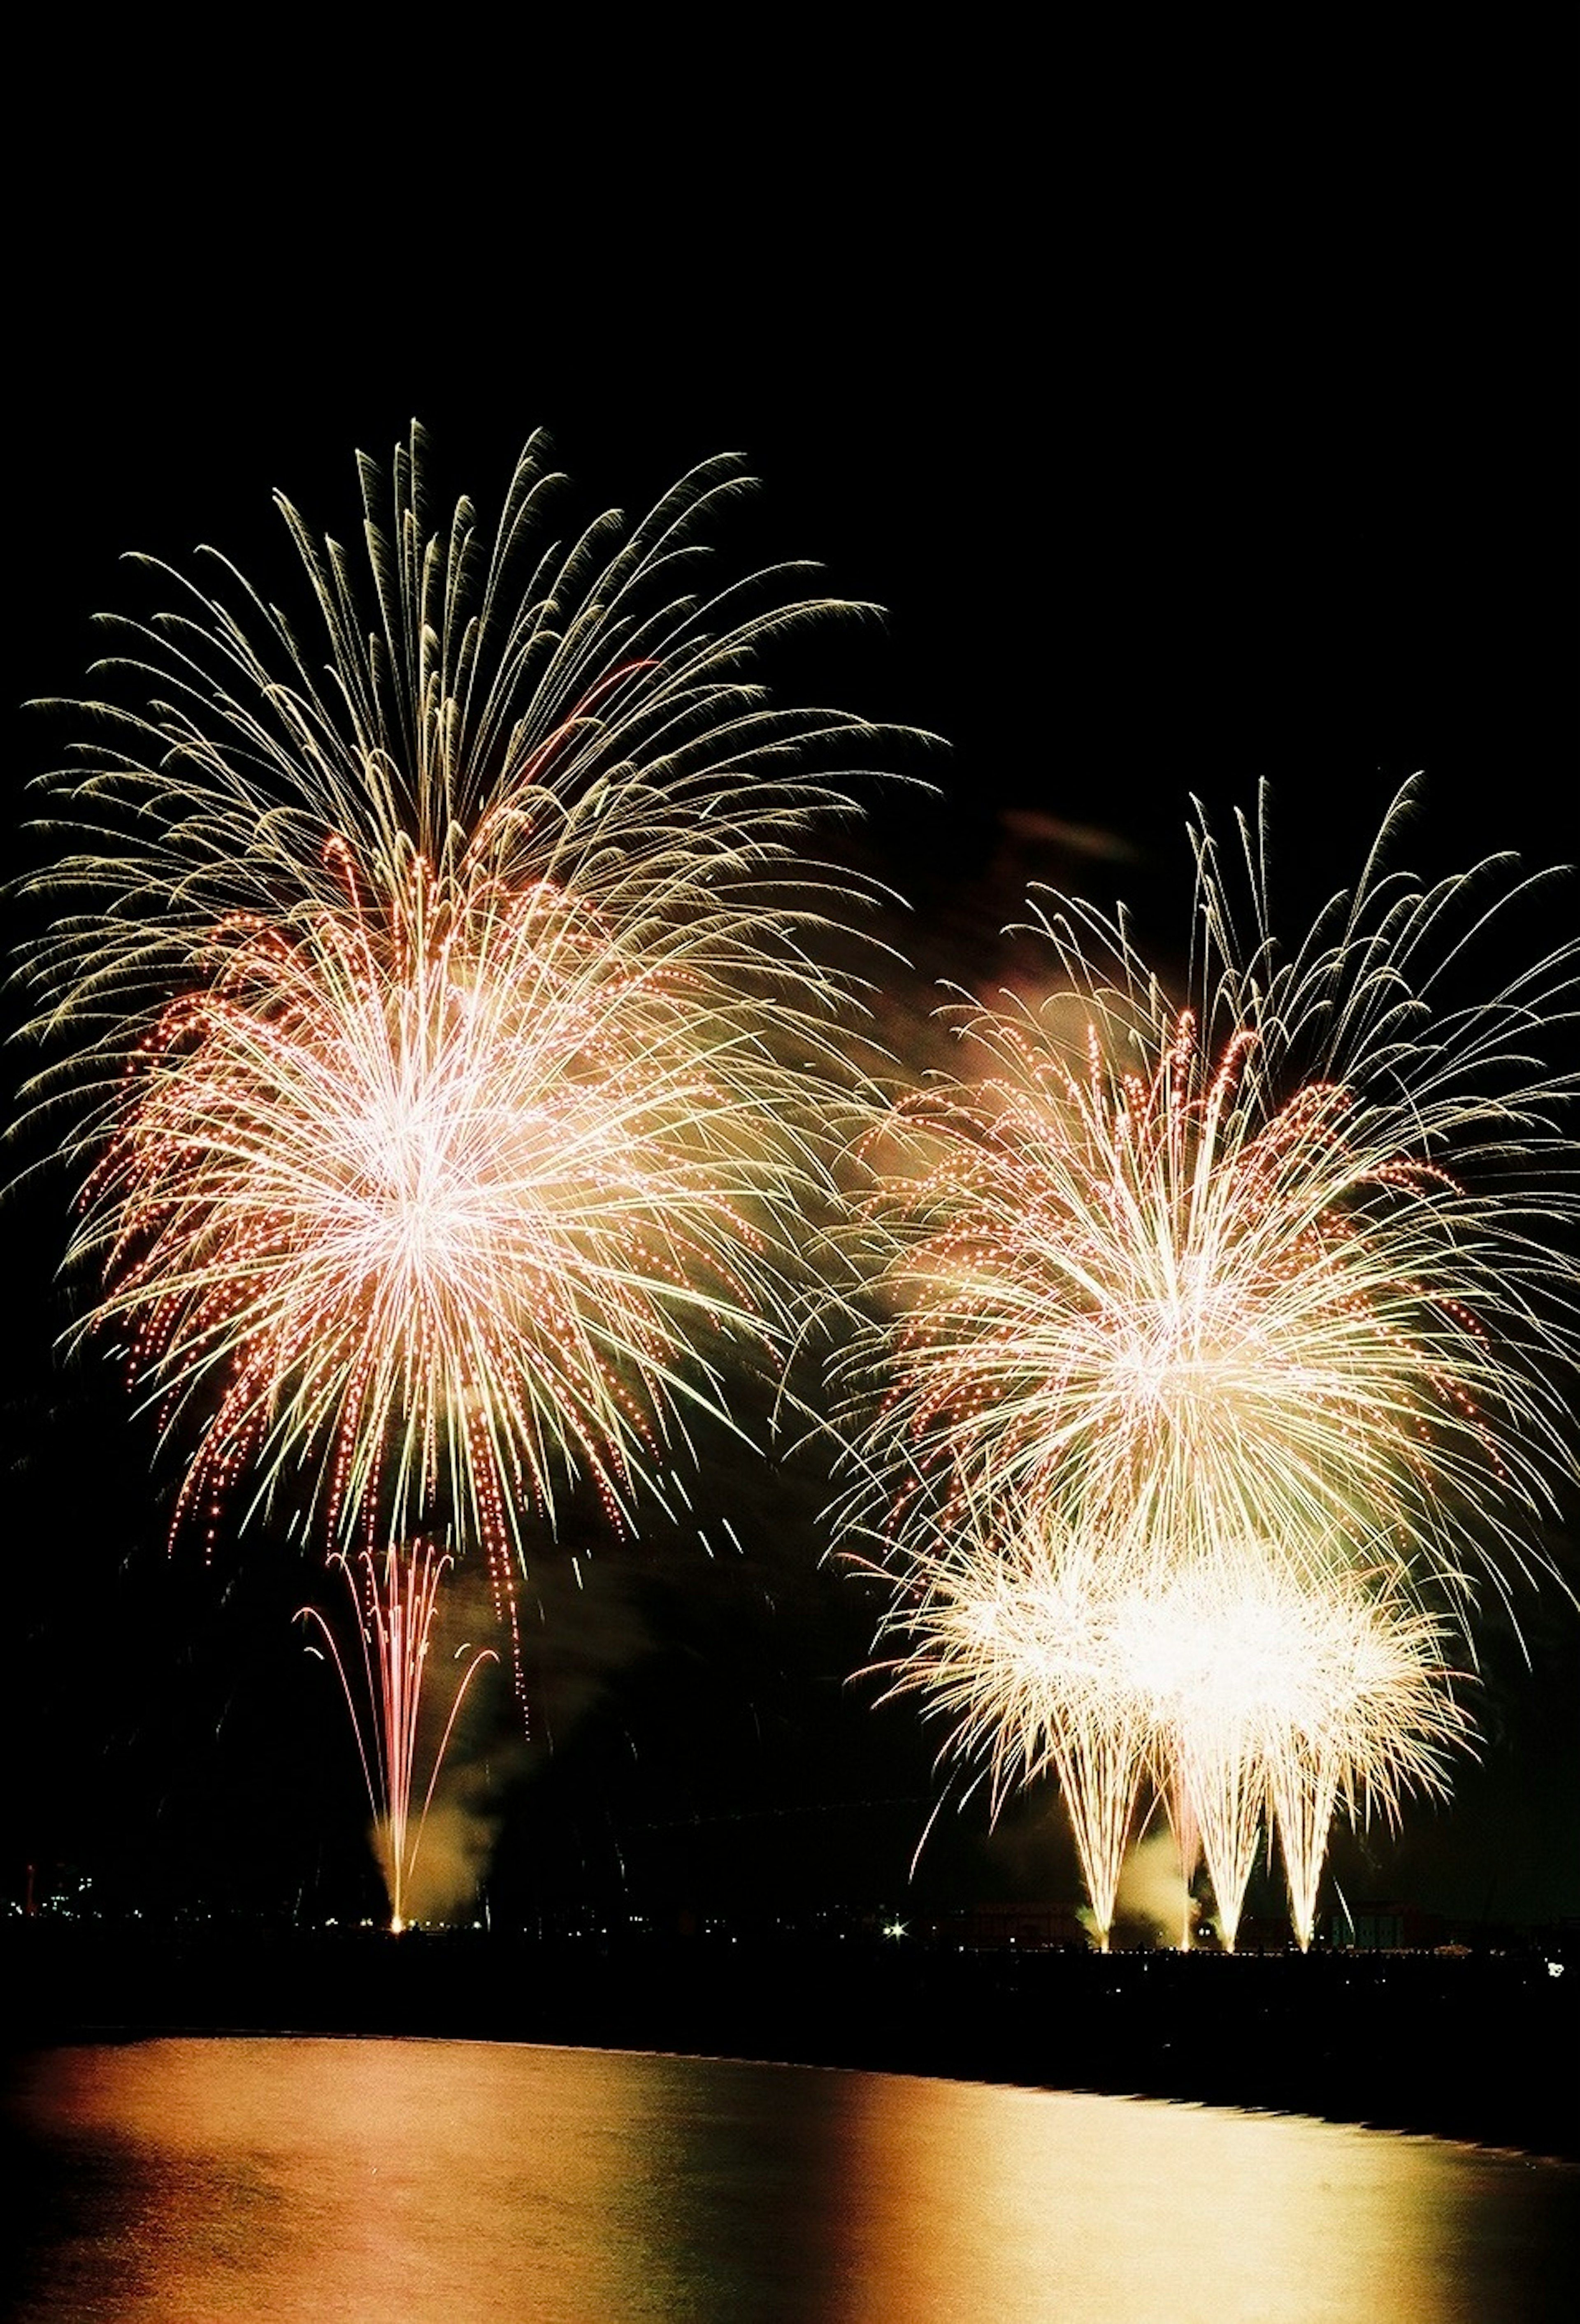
[
  {"x": 1273, "y": 1695},
  {"x": 448, "y": 1064},
  {"x": 438, "y": 1197},
  {"x": 1245, "y": 1692},
  {"x": 1014, "y": 1647},
  {"x": 1285, "y": 1261},
  {"x": 439, "y": 1042},
  {"x": 1224, "y": 1341}
]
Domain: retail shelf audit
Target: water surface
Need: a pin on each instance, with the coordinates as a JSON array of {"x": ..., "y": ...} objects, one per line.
[{"x": 192, "y": 2181}]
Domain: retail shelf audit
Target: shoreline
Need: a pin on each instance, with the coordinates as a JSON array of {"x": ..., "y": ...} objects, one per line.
[{"x": 1479, "y": 2048}]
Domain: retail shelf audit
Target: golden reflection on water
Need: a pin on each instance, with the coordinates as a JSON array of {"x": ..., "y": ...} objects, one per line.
[
  {"x": 1081, "y": 2206},
  {"x": 199, "y": 2180}
]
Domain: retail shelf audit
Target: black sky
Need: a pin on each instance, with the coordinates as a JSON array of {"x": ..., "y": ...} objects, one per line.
[{"x": 1200, "y": 411}]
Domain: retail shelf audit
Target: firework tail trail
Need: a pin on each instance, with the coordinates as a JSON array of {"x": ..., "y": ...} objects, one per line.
[{"x": 395, "y": 1602}]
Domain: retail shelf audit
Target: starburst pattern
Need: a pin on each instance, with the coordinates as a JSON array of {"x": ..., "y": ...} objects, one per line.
[
  {"x": 1284, "y": 1260},
  {"x": 444, "y": 1053}
]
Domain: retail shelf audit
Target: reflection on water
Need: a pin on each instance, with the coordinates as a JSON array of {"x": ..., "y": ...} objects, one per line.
[{"x": 195, "y": 2181}]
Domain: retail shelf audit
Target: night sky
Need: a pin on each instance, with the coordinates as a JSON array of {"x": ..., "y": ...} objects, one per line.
[{"x": 1199, "y": 416}]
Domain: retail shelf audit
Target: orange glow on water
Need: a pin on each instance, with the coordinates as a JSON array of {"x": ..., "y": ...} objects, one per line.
[{"x": 434, "y": 2180}]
